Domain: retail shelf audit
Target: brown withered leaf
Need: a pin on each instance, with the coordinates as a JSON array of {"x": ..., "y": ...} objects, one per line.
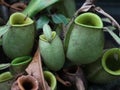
[{"x": 35, "y": 69}]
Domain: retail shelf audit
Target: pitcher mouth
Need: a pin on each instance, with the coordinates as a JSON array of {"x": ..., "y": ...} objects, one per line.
[
  {"x": 19, "y": 19},
  {"x": 111, "y": 61},
  {"x": 51, "y": 80},
  {"x": 21, "y": 60},
  {"x": 90, "y": 20},
  {"x": 27, "y": 83}
]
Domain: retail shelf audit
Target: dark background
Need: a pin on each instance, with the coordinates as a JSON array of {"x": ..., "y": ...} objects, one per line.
[{"x": 110, "y": 6}]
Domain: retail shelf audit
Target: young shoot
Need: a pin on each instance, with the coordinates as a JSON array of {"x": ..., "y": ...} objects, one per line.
[{"x": 47, "y": 32}]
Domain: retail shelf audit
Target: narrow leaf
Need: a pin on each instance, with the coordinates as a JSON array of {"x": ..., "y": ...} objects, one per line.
[
  {"x": 59, "y": 18},
  {"x": 41, "y": 21},
  {"x": 47, "y": 32},
  {"x": 111, "y": 27},
  {"x": 4, "y": 29},
  {"x": 115, "y": 37},
  {"x": 106, "y": 20},
  {"x": 4, "y": 66}
]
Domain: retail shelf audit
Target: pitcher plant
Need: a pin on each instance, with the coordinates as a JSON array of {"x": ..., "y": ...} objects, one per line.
[
  {"x": 51, "y": 80},
  {"x": 6, "y": 80},
  {"x": 106, "y": 69},
  {"x": 84, "y": 40},
  {"x": 51, "y": 49},
  {"x": 19, "y": 64},
  {"x": 21, "y": 29},
  {"x": 25, "y": 82},
  {"x": 19, "y": 39}
]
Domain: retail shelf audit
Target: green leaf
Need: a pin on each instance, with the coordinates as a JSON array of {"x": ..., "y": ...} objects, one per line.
[
  {"x": 106, "y": 20},
  {"x": 47, "y": 32},
  {"x": 115, "y": 37},
  {"x": 41, "y": 21},
  {"x": 111, "y": 27},
  {"x": 59, "y": 18},
  {"x": 4, "y": 66},
  {"x": 36, "y": 6},
  {"x": 4, "y": 29}
]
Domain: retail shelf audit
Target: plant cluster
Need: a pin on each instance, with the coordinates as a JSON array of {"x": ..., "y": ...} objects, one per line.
[{"x": 49, "y": 45}]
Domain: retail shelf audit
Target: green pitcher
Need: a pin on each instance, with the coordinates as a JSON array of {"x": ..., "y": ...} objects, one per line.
[
  {"x": 19, "y": 64},
  {"x": 51, "y": 49},
  {"x": 106, "y": 69},
  {"x": 51, "y": 80},
  {"x": 19, "y": 39},
  {"x": 6, "y": 80},
  {"x": 84, "y": 40}
]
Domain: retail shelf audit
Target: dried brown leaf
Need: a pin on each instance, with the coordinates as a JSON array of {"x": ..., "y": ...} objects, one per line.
[{"x": 35, "y": 69}]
